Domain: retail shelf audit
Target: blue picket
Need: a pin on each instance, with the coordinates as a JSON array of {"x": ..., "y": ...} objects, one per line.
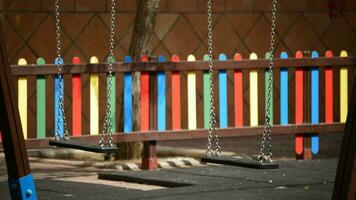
[
  {"x": 127, "y": 98},
  {"x": 161, "y": 97},
  {"x": 223, "y": 94},
  {"x": 315, "y": 103},
  {"x": 58, "y": 126},
  {"x": 284, "y": 91}
]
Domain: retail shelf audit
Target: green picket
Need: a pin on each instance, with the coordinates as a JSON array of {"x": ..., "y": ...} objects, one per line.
[
  {"x": 267, "y": 56},
  {"x": 41, "y": 102},
  {"x": 113, "y": 99},
  {"x": 206, "y": 91}
]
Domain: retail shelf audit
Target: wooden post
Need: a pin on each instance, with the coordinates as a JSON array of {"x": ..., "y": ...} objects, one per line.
[
  {"x": 307, "y": 152},
  {"x": 21, "y": 182},
  {"x": 149, "y": 159},
  {"x": 345, "y": 182}
]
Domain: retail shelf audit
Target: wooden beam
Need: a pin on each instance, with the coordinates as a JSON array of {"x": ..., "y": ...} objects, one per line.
[
  {"x": 10, "y": 125},
  {"x": 51, "y": 69},
  {"x": 201, "y": 133}
]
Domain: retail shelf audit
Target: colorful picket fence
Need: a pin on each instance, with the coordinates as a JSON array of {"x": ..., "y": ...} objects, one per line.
[{"x": 182, "y": 99}]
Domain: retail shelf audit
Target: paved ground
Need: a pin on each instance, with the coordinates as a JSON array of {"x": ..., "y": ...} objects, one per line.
[{"x": 294, "y": 180}]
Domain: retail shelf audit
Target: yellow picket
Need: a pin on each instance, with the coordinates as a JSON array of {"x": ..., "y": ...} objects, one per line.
[
  {"x": 343, "y": 90},
  {"x": 94, "y": 100},
  {"x": 22, "y": 98},
  {"x": 253, "y": 93},
  {"x": 191, "y": 85}
]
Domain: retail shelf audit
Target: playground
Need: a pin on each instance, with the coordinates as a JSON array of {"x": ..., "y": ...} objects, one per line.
[
  {"x": 156, "y": 99},
  {"x": 294, "y": 180}
]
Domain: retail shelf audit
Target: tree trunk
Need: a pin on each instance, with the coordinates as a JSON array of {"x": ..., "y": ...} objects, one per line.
[{"x": 145, "y": 21}]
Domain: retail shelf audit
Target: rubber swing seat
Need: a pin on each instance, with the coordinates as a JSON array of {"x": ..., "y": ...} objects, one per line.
[
  {"x": 254, "y": 164},
  {"x": 84, "y": 146}
]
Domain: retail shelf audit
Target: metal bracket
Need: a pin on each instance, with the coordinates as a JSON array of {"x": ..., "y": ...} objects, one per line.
[{"x": 23, "y": 188}]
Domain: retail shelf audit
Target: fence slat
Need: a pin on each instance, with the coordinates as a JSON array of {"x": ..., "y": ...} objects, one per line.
[
  {"x": 284, "y": 92},
  {"x": 127, "y": 98},
  {"x": 145, "y": 98},
  {"x": 112, "y": 97},
  {"x": 76, "y": 101},
  {"x": 58, "y": 121},
  {"x": 299, "y": 83},
  {"x": 315, "y": 103},
  {"x": 223, "y": 95},
  {"x": 176, "y": 106},
  {"x": 268, "y": 56},
  {"x": 253, "y": 93},
  {"x": 343, "y": 89},
  {"x": 206, "y": 92},
  {"x": 41, "y": 102},
  {"x": 22, "y": 98},
  {"x": 161, "y": 97},
  {"x": 238, "y": 94},
  {"x": 94, "y": 99},
  {"x": 191, "y": 92},
  {"x": 329, "y": 114}
]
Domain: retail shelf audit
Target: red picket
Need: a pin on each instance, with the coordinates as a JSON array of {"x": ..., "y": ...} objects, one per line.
[
  {"x": 76, "y": 101},
  {"x": 176, "y": 106},
  {"x": 238, "y": 94}
]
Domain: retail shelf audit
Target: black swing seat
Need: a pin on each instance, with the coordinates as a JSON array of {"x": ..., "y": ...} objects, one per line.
[
  {"x": 84, "y": 146},
  {"x": 254, "y": 164}
]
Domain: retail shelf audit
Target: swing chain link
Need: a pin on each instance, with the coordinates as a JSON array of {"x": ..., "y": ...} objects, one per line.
[
  {"x": 212, "y": 132},
  {"x": 265, "y": 155},
  {"x": 60, "y": 108},
  {"x": 107, "y": 127}
]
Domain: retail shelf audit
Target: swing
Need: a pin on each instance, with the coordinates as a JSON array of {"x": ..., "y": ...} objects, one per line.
[
  {"x": 264, "y": 159},
  {"x": 63, "y": 140}
]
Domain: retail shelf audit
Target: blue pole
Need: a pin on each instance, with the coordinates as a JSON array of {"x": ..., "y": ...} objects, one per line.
[
  {"x": 57, "y": 94},
  {"x": 315, "y": 103},
  {"x": 161, "y": 97},
  {"x": 127, "y": 98},
  {"x": 284, "y": 91},
  {"x": 223, "y": 94}
]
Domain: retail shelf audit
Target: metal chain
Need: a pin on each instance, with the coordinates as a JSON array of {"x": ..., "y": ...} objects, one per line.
[
  {"x": 107, "y": 127},
  {"x": 60, "y": 107},
  {"x": 265, "y": 155},
  {"x": 212, "y": 133}
]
